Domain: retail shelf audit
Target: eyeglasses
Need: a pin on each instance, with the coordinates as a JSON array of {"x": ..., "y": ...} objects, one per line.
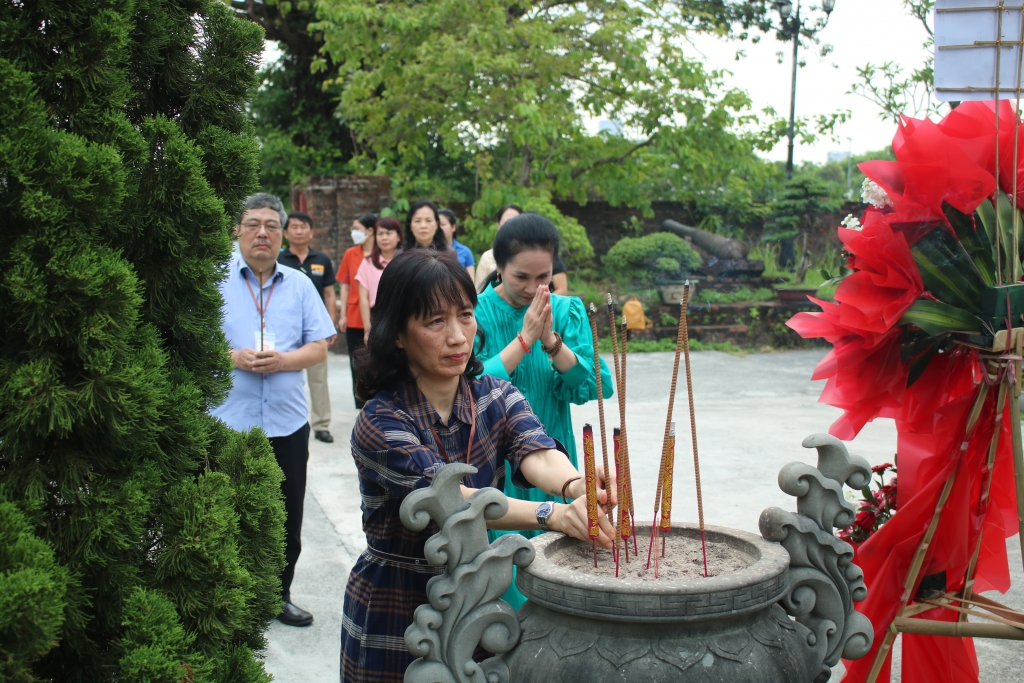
[{"x": 254, "y": 226}]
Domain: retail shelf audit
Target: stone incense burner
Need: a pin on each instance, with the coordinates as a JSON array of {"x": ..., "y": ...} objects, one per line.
[{"x": 786, "y": 615}]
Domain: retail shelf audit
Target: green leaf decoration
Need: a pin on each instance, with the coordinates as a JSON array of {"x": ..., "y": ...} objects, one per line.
[
  {"x": 975, "y": 242},
  {"x": 947, "y": 270},
  {"x": 1009, "y": 223},
  {"x": 1008, "y": 261},
  {"x": 936, "y": 317},
  {"x": 919, "y": 352}
]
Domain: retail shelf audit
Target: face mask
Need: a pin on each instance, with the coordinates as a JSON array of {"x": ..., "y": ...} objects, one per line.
[{"x": 358, "y": 237}]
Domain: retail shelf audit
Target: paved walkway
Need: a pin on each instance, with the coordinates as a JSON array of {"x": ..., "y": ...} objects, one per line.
[{"x": 752, "y": 413}]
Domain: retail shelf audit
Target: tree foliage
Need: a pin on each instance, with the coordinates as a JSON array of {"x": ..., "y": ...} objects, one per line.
[
  {"x": 803, "y": 198},
  {"x": 295, "y": 109},
  {"x": 500, "y": 95},
  {"x": 124, "y": 153}
]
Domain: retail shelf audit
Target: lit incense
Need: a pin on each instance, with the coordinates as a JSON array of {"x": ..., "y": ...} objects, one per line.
[
  {"x": 591, "y": 482},
  {"x": 668, "y": 423},
  {"x": 685, "y": 330},
  {"x": 625, "y": 441},
  {"x": 666, "y": 494},
  {"x": 592, "y": 314},
  {"x": 625, "y": 521}
]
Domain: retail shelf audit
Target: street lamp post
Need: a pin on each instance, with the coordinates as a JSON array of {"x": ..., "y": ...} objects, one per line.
[{"x": 795, "y": 25}]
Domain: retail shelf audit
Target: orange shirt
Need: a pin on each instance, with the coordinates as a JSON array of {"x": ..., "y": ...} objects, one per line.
[{"x": 350, "y": 263}]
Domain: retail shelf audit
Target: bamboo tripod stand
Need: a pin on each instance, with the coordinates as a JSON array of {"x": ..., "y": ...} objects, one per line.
[{"x": 1004, "y": 623}]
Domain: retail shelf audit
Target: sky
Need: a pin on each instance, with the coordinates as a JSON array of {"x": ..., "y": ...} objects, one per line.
[{"x": 860, "y": 31}]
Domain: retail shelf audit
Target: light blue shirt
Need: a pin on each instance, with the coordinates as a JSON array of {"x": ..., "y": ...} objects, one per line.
[{"x": 295, "y": 315}]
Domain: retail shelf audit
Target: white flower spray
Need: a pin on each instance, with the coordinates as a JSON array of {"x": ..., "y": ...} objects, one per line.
[
  {"x": 851, "y": 222},
  {"x": 874, "y": 195}
]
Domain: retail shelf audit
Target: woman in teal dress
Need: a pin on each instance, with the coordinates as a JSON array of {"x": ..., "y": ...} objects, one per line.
[{"x": 538, "y": 341}]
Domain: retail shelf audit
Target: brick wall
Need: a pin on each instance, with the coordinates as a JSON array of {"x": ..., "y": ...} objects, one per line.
[{"x": 334, "y": 202}]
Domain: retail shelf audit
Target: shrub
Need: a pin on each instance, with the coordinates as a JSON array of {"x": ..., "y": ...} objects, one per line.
[
  {"x": 649, "y": 258},
  {"x": 125, "y": 151},
  {"x": 32, "y": 587}
]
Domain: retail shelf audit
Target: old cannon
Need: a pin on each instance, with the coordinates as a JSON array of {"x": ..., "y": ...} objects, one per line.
[{"x": 723, "y": 257}]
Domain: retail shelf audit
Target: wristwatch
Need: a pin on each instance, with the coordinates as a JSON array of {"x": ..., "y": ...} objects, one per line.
[{"x": 543, "y": 512}]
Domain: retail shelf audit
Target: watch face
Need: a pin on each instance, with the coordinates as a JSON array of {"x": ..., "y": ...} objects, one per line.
[{"x": 543, "y": 512}]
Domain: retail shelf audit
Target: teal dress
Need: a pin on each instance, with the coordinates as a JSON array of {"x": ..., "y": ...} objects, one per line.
[{"x": 548, "y": 391}]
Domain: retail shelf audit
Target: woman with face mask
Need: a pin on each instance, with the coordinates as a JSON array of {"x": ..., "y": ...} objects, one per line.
[
  {"x": 350, "y": 319},
  {"x": 387, "y": 244},
  {"x": 539, "y": 341}
]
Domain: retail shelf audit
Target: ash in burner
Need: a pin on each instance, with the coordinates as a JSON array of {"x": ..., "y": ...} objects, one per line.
[{"x": 682, "y": 560}]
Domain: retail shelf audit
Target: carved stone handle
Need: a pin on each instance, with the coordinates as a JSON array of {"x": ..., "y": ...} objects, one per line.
[
  {"x": 824, "y": 582},
  {"x": 466, "y": 609}
]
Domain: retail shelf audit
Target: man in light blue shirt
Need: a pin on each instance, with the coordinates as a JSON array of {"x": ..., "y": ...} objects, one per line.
[{"x": 276, "y": 324}]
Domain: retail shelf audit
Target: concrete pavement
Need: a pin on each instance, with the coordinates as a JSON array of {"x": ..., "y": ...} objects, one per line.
[{"x": 752, "y": 413}]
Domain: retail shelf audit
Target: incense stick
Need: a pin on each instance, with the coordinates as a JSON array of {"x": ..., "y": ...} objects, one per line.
[
  {"x": 617, "y": 523},
  {"x": 666, "y": 497},
  {"x": 668, "y": 420},
  {"x": 624, "y": 523},
  {"x": 624, "y": 441},
  {"x": 591, "y": 482},
  {"x": 684, "y": 327},
  {"x": 628, "y": 482},
  {"x": 592, "y": 314},
  {"x": 620, "y": 388}
]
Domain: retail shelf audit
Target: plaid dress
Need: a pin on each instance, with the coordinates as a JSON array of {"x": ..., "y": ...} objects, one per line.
[{"x": 395, "y": 454}]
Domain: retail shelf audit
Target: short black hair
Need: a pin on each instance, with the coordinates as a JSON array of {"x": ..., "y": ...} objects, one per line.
[
  {"x": 415, "y": 284},
  {"x": 525, "y": 232},
  {"x": 304, "y": 217},
  {"x": 368, "y": 220},
  {"x": 439, "y": 243}
]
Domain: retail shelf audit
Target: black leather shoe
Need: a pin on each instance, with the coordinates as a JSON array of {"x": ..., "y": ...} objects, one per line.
[
  {"x": 294, "y": 616},
  {"x": 324, "y": 435}
]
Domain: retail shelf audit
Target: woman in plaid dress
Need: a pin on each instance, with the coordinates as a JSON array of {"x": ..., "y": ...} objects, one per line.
[{"x": 427, "y": 407}]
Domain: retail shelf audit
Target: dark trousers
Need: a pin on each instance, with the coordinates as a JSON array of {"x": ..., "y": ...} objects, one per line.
[
  {"x": 354, "y": 339},
  {"x": 292, "y": 453}
]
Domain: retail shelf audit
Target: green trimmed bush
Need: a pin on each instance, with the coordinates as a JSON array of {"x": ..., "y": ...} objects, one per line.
[
  {"x": 150, "y": 535},
  {"x": 651, "y": 257},
  {"x": 32, "y": 587}
]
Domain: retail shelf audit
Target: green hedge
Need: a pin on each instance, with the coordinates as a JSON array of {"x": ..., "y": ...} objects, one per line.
[{"x": 646, "y": 258}]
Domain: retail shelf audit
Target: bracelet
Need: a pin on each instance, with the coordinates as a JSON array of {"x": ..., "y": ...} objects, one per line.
[
  {"x": 566, "y": 485},
  {"x": 555, "y": 348},
  {"x": 526, "y": 347}
]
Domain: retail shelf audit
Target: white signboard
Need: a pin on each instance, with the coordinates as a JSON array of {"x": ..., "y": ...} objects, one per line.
[{"x": 978, "y": 49}]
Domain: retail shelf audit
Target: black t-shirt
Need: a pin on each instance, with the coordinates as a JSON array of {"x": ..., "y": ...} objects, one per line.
[
  {"x": 557, "y": 266},
  {"x": 317, "y": 267}
]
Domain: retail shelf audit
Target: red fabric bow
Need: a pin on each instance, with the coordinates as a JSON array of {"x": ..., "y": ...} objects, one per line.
[{"x": 952, "y": 161}]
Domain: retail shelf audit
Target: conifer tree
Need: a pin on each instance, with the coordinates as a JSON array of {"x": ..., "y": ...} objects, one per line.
[{"x": 140, "y": 539}]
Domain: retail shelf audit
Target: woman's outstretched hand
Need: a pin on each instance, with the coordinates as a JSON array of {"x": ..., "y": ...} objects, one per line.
[{"x": 571, "y": 519}]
